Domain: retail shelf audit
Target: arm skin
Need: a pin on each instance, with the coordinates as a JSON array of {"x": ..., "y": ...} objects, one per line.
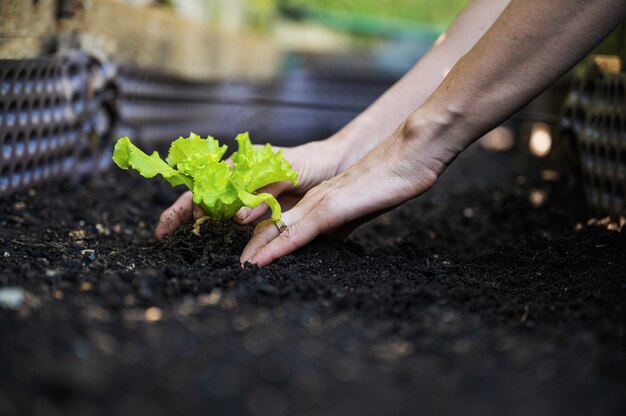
[
  {"x": 380, "y": 120},
  {"x": 530, "y": 46},
  {"x": 322, "y": 160}
]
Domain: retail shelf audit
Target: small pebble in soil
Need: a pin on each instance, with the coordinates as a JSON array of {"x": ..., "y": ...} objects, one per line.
[
  {"x": 101, "y": 229},
  {"x": 468, "y": 212},
  {"x": 77, "y": 234},
  {"x": 6, "y": 254},
  {"x": 89, "y": 254},
  {"x": 11, "y": 297}
]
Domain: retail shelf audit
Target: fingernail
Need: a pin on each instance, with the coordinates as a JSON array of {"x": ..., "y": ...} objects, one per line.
[{"x": 243, "y": 213}]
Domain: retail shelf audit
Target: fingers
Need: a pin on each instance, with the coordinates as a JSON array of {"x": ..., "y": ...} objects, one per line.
[
  {"x": 172, "y": 218},
  {"x": 291, "y": 239},
  {"x": 264, "y": 232},
  {"x": 305, "y": 222}
]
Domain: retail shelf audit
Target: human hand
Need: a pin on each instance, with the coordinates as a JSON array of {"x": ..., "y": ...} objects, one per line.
[
  {"x": 401, "y": 168},
  {"x": 314, "y": 161}
]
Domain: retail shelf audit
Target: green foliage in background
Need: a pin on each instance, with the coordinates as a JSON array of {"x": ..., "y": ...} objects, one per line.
[{"x": 439, "y": 12}]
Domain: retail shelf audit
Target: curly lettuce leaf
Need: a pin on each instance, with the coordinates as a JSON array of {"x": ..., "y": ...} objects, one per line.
[
  {"x": 127, "y": 155},
  {"x": 221, "y": 190},
  {"x": 256, "y": 167},
  {"x": 184, "y": 148}
]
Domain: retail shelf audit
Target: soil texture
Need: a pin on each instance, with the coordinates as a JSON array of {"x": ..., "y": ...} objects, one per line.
[{"x": 490, "y": 294}]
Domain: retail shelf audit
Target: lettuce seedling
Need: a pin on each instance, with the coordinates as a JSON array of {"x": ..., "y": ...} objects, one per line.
[{"x": 220, "y": 189}]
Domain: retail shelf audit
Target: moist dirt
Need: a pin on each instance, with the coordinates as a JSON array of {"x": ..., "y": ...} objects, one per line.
[{"x": 488, "y": 295}]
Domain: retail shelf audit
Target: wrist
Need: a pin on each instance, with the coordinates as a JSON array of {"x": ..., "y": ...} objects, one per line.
[
  {"x": 435, "y": 137},
  {"x": 342, "y": 147}
]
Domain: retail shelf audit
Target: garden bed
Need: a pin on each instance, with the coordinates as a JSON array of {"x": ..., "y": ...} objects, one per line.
[{"x": 470, "y": 300}]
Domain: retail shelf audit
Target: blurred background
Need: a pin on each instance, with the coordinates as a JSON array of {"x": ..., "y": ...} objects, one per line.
[{"x": 78, "y": 74}]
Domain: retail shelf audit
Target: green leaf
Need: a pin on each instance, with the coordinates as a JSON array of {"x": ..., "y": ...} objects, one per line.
[
  {"x": 256, "y": 167},
  {"x": 184, "y": 148},
  {"x": 127, "y": 155},
  {"x": 252, "y": 200},
  {"x": 214, "y": 191},
  {"x": 218, "y": 188}
]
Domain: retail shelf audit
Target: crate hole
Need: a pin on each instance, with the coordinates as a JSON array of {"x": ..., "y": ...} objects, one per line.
[
  {"x": 40, "y": 81},
  {"x": 602, "y": 127},
  {"x": 612, "y": 154},
  {"x": 605, "y": 92},
  {"x": 77, "y": 103},
  {"x": 574, "y": 95},
  {"x": 588, "y": 163},
  {"x": 72, "y": 137},
  {"x": 68, "y": 163},
  {"x": 20, "y": 81},
  {"x": 50, "y": 82},
  {"x": 11, "y": 114},
  {"x": 584, "y": 147},
  {"x": 38, "y": 171},
  {"x": 620, "y": 93},
  {"x": 7, "y": 81},
  {"x": 7, "y": 147},
  {"x": 616, "y": 126},
  {"x": 30, "y": 81},
  {"x": 606, "y": 200},
  {"x": 618, "y": 201},
  {"x": 32, "y": 143},
  {"x": 591, "y": 124},
  {"x": 578, "y": 119},
  {"x": 35, "y": 111},
  {"x": 46, "y": 110},
  {"x": 16, "y": 177},
  {"x": 5, "y": 178},
  {"x": 23, "y": 114},
  {"x": 589, "y": 88},
  {"x": 27, "y": 174},
  {"x": 57, "y": 109},
  {"x": 20, "y": 145},
  {"x": 45, "y": 170}
]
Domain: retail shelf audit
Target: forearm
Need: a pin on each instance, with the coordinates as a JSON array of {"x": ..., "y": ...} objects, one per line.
[
  {"x": 530, "y": 46},
  {"x": 381, "y": 119}
]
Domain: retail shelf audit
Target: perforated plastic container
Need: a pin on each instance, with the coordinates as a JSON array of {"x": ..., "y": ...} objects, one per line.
[
  {"x": 60, "y": 116},
  {"x": 52, "y": 124},
  {"x": 594, "y": 114}
]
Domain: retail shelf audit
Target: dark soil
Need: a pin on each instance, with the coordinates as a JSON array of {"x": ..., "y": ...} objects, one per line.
[{"x": 469, "y": 300}]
